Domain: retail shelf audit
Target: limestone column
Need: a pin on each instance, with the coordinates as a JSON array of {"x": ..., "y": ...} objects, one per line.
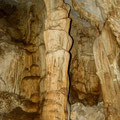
[
  {"x": 107, "y": 59},
  {"x": 54, "y": 89}
]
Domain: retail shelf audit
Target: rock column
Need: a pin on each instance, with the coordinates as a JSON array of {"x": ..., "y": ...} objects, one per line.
[
  {"x": 107, "y": 58},
  {"x": 54, "y": 88}
]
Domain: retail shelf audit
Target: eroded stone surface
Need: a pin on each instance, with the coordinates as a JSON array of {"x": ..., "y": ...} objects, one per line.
[
  {"x": 21, "y": 47},
  {"x": 85, "y": 84},
  {"x": 106, "y": 52},
  {"x": 81, "y": 112},
  {"x": 23, "y": 66},
  {"x": 54, "y": 88}
]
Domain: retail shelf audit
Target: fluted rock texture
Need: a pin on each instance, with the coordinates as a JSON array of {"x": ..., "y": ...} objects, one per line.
[
  {"x": 54, "y": 89},
  {"x": 102, "y": 17},
  {"x": 22, "y": 53},
  {"x": 106, "y": 52},
  {"x": 38, "y": 58}
]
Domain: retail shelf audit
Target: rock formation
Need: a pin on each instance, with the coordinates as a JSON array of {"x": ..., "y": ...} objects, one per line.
[
  {"x": 54, "y": 89},
  {"x": 85, "y": 85},
  {"x": 59, "y": 59},
  {"x": 81, "y": 112},
  {"x": 21, "y": 47},
  {"x": 106, "y": 53}
]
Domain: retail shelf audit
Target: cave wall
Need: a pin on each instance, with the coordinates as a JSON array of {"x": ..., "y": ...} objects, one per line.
[
  {"x": 34, "y": 59},
  {"x": 85, "y": 84},
  {"x": 22, "y": 58}
]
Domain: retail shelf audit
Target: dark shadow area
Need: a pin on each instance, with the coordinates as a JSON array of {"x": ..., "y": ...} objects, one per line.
[{"x": 18, "y": 114}]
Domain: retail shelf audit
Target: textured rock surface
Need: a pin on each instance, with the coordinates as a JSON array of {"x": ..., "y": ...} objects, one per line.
[
  {"x": 18, "y": 114},
  {"x": 98, "y": 13},
  {"x": 81, "y": 112},
  {"x": 54, "y": 89},
  {"x": 106, "y": 53},
  {"x": 34, "y": 70},
  {"x": 21, "y": 47},
  {"x": 85, "y": 86}
]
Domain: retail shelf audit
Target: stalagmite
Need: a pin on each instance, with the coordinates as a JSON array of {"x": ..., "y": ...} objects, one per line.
[{"x": 54, "y": 89}]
